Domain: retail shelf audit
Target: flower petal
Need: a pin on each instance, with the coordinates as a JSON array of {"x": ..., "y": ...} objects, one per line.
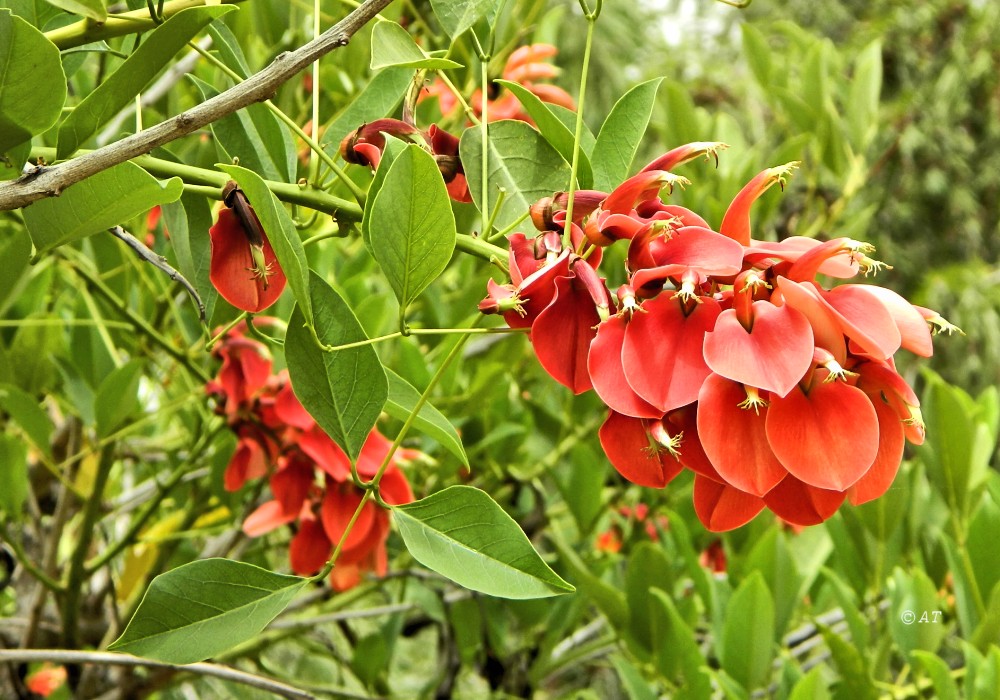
[
  {"x": 604, "y": 363},
  {"x": 735, "y": 438},
  {"x": 828, "y": 438},
  {"x": 626, "y": 442},
  {"x": 339, "y": 504},
  {"x": 802, "y": 504},
  {"x": 722, "y": 507},
  {"x": 267, "y": 517},
  {"x": 310, "y": 549},
  {"x": 562, "y": 333},
  {"x": 891, "y": 440},
  {"x": 662, "y": 353},
  {"x": 231, "y": 267}
]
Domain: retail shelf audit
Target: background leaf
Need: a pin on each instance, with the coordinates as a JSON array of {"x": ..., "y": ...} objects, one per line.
[
  {"x": 117, "y": 397},
  {"x": 393, "y": 46},
  {"x": 462, "y": 533},
  {"x": 201, "y": 609},
  {"x": 520, "y": 160},
  {"x": 106, "y": 199},
  {"x": 118, "y": 89},
  {"x": 13, "y": 475},
  {"x": 430, "y": 421},
  {"x": 26, "y": 110},
  {"x": 456, "y": 16},
  {"x": 621, "y": 134},
  {"x": 344, "y": 391},
  {"x": 91, "y": 9},
  {"x": 747, "y": 645}
]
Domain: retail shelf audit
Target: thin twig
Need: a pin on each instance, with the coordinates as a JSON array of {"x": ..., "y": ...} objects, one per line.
[
  {"x": 51, "y": 181},
  {"x": 161, "y": 264},
  {"x": 60, "y": 656}
]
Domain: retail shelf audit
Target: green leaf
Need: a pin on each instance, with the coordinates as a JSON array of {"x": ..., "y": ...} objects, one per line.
[
  {"x": 27, "y": 56},
  {"x": 96, "y": 204},
  {"x": 559, "y": 135},
  {"x": 117, "y": 398},
  {"x": 462, "y": 534},
  {"x": 393, "y": 46},
  {"x": 13, "y": 475},
  {"x": 254, "y": 137},
  {"x": 456, "y": 16},
  {"x": 810, "y": 687},
  {"x": 343, "y": 390},
  {"x": 188, "y": 220},
  {"x": 965, "y": 592},
  {"x": 981, "y": 544},
  {"x": 519, "y": 160},
  {"x": 118, "y": 89},
  {"x": 91, "y": 9},
  {"x": 15, "y": 251},
  {"x": 988, "y": 631},
  {"x": 938, "y": 671},
  {"x": 758, "y": 54},
  {"x": 856, "y": 678},
  {"x": 609, "y": 600},
  {"x": 949, "y": 414},
  {"x": 412, "y": 225},
  {"x": 400, "y": 403},
  {"x": 633, "y": 683},
  {"x": 747, "y": 645},
  {"x": 862, "y": 103},
  {"x": 281, "y": 232},
  {"x": 648, "y": 569},
  {"x": 201, "y": 609},
  {"x": 378, "y": 98},
  {"x": 393, "y": 147},
  {"x": 621, "y": 134}
]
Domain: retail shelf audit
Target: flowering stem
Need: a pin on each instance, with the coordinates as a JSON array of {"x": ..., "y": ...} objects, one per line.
[
  {"x": 423, "y": 331},
  {"x": 222, "y": 334},
  {"x": 484, "y": 60},
  {"x": 466, "y": 107},
  {"x": 501, "y": 195},
  {"x": 509, "y": 229},
  {"x": 591, "y": 17}
]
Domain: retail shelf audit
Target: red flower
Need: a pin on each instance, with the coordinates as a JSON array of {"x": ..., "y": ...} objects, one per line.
[
  {"x": 243, "y": 268},
  {"x": 46, "y": 680}
]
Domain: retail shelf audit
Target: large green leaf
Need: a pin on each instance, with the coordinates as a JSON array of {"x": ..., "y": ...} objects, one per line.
[
  {"x": 343, "y": 390},
  {"x": 101, "y": 201},
  {"x": 939, "y": 672},
  {"x": 856, "y": 677},
  {"x": 677, "y": 647},
  {"x": 621, "y": 134},
  {"x": 118, "y": 89},
  {"x": 866, "y": 86},
  {"x": 747, "y": 645},
  {"x": 520, "y": 161},
  {"x": 204, "y": 608},
  {"x": 412, "y": 225},
  {"x": 281, "y": 233},
  {"x": 400, "y": 404},
  {"x": 91, "y": 9},
  {"x": 553, "y": 129},
  {"x": 188, "y": 219},
  {"x": 462, "y": 533},
  {"x": 393, "y": 46},
  {"x": 458, "y": 15},
  {"x": 32, "y": 83},
  {"x": 393, "y": 147}
]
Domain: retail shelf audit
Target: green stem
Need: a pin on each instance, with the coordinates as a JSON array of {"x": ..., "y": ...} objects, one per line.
[
  {"x": 372, "y": 486},
  {"x": 291, "y": 193},
  {"x": 87, "y": 31},
  {"x": 484, "y": 128},
  {"x": 75, "y": 577},
  {"x": 222, "y": 334},
  {"x": 466, "y": 107},
  {"x": 422, "y": 331},
  {"x": 25, "y": 561},
  {"x": 591, "y": 17},
  {"x": 138, "y": 322},
  {"x": 359, "y": 194},
  {"x": 503, "y": 233}
]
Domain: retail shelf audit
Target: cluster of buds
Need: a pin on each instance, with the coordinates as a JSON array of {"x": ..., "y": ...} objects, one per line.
[
  {"x": 724, "y": 355},
  {"x": 309, "y": 475}
]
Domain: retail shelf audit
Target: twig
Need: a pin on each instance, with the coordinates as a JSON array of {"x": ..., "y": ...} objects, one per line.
[
  {"x": 60, "y": 656},
  {"x": 259, "y": 87},
  {"x": 160, "y": 263}
]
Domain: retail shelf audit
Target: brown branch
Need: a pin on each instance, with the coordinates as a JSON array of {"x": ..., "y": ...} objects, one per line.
[
  {"x": 51, "y": 181},
  {"x": 61, "y": 656}
]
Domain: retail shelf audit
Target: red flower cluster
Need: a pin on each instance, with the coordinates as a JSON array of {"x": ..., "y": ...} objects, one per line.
[
  {"x": 309, "y": 474},
  {"x": 726, "y": 355}
]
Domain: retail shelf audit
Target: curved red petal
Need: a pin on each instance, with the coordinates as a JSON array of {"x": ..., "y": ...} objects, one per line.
[
  {"x": 774, "y": 355},
  {"x": 327, "y": 454},
  {"x": 865, "y": 320},
  {"x": 562, "y": 333},
  {"x": 372, "y": 454},
  {"x": 310, "y": 549},
  {"x": 913, "y": 329},
  {"x": 604, "y": 362},
  {"x": 735, "y": 438},
  {"x": 248, "y": 462},
  {"x": 268, "y": 516},
  {"x": 290, "y": 484},
  {"x": 802, "y": 504},
  {"x": 700, "y": 249},
  {"x": 805, "y": 298},
  {"x": 290, "y": 410},
  {"x": 722, "y": 507},
  {"x": 662, "y": 353},
  {"x": 339, "y": 504},
  {"x": 828, "y": 438},
  {"x": 231, "y": 266},
  {"x": 685, "y": 420},
  {"x": 891, "y": 440},
  {"x": 394, "y": 488},
  {"x": 626, "y": 443}
]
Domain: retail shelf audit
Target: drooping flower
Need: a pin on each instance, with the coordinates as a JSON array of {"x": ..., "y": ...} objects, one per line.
[{"x": 243, "y": 268}]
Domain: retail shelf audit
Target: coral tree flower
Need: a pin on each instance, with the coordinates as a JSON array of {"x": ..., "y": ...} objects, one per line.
[
  {"x": 309, "y": 475},
  {"x": 726, "y": 355},
  {"x": 243, "y": 267}
]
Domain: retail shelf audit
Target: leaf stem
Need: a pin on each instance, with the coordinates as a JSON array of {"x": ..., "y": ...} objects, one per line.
[
  {"x": 591, "y": 17},
  {"x": 423, "y": 331},
  {"x": 484, "y": 128},
  {"x": 24, "y": 560}
]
